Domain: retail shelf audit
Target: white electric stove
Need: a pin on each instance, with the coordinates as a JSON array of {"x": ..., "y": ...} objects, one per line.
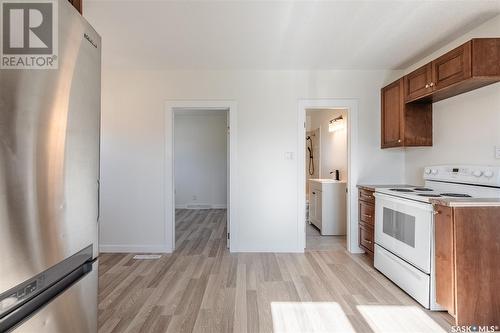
[{"x": 404, "y": 224}]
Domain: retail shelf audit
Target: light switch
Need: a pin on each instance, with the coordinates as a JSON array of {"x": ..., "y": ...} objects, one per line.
[
  {"x": 497, "y": 152},
  {"x": 289, "y": 155}
]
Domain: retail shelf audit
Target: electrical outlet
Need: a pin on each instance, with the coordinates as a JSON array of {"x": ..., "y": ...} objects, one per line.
[{"x": 497, "y": 152}]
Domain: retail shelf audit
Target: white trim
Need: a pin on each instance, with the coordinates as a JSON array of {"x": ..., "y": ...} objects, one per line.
[
  {"x": 134, "y": 248},
  {"x": 272, "y": 249},
  {"x": 210, "y": 206},
  {"x": 219, "y": 206},
  {"x": 352, "y": 165},
  {"x": 214, "y": 105}
]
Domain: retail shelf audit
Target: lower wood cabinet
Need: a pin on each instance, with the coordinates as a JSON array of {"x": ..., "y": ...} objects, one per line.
[
  {"x": 444, "y": 252},
  {"x": 366, "y": 234},
  {"x": 366, "y": 238},
  {"x": 367, "y": 213},
  {"x": 467, "y": 254}
]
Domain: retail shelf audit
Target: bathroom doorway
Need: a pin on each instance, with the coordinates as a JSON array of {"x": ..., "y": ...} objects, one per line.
[
  {"x": 326, "y": 178},
  {"x": 353, "y": 151}
]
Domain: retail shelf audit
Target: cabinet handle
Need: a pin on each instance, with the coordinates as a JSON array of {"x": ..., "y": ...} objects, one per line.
[
  {"x": 314, "y": 192},
  {"x": 369, "y": 216},
  {"x": 427, "y": 86},
  {"x": 399, "y": 140},
  {"x": 437, "y": 212},
  {"x": 431, "y": 84},
  {"x": 368, "y": 241}
]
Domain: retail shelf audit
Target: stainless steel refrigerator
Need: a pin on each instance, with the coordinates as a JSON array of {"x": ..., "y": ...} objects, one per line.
[{"x": 49, "y": 186}]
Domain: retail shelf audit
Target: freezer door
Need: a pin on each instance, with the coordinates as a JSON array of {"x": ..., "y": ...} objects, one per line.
[
  {"x": 74, "y": 310},
  {"x": 49, "y": 155}
]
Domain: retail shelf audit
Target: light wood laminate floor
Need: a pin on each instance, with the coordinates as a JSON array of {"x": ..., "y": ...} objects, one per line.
[
  {"x": 316, "y": 242},
  {"x": 202, "y": 287}
]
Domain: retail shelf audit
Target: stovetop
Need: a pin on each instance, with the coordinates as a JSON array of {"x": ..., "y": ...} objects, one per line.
[
  {"x": 424, "y": 194},
  {"x": 462, "y": 181}
]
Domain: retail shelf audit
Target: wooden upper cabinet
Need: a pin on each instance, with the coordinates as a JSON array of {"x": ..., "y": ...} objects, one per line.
[
  {"x": 392, "y": 114},
  {"x": 404, "y": 124},
  {"x": 452, "y": 67},
  {"x": 418, "y": 83},
  {"x": 486, "y": 57},
  {"x": 407, "y": 102},
  {"x": 470, "y": 66},
  {"x": 77, "y": 4}
]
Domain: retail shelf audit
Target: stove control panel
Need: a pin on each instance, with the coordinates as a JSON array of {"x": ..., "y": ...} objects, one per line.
[{"x": 464, "y": 174}]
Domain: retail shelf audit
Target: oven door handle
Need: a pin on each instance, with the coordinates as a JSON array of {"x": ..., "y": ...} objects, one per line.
[{"x": 399, "y": 200}]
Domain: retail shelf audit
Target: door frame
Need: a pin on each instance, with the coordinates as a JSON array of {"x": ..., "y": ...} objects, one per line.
[
  {"x": 171, "y": 107},
  {"x": 352, "y": 166}
]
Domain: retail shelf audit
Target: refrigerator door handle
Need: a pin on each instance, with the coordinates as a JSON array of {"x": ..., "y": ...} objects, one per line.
[{"x": 17, "y": 316}]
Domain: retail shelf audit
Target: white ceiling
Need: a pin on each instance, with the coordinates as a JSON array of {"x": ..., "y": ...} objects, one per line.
[{"x": 279, "y": 34}]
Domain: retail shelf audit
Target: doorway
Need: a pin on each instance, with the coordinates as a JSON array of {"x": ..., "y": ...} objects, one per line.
[
  {"x": 326, "y": 179},
  {"x": 200, "y": 180},
  {"x": 200, "y": 175},
  {"x": 349, "y": 176}
]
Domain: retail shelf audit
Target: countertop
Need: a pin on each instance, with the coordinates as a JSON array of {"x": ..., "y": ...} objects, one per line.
[
  {"x": 466, "y": 202},
  {"x": 326, "y": 180},
  {"x": 372, "y": 187}
]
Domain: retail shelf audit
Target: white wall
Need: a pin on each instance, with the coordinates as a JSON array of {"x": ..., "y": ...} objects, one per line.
[
  {"x": 466, "y": 127},
  {"x": 200, "y": 159},
  {"x": 133, "y": 145},
  {"x": 333, "y": 154}
]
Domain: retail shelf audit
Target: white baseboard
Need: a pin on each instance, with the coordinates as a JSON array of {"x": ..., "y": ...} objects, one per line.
[
  {"x": 103, "y": 248},
  {"x": 217, "y": 206},
  {"x": 200, "y": 206},
  {"x": 268, "y": 250}
]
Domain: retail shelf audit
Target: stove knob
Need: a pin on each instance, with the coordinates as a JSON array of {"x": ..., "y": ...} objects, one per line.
[
  {"x": 434, "y": 171},
  {"x": 427, "y": 171},
  {"x": 477, "y": 173},
  {"x": 488, "y": 174}
]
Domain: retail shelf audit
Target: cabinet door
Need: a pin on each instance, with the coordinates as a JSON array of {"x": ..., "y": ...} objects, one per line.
[
  {"x": 418, "y": 83},
  {"x": 366, "y": 239},
  {"x": 367, "y": 196},
  {"x": 367, "y": 213},
  {"x": 319, "y": 209},
  {"x": 392, "y": 114},
  {"x": 314, "y": 207},
  {"x": 444, "y": 252},
  {"x": 452, "y": 67}
]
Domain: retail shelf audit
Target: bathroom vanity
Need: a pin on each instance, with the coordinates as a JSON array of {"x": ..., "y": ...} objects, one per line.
[{"x": 327, "y": 206}]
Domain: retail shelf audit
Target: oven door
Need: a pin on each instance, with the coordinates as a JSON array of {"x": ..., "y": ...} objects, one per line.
[{"x": 404, "y": 227}]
